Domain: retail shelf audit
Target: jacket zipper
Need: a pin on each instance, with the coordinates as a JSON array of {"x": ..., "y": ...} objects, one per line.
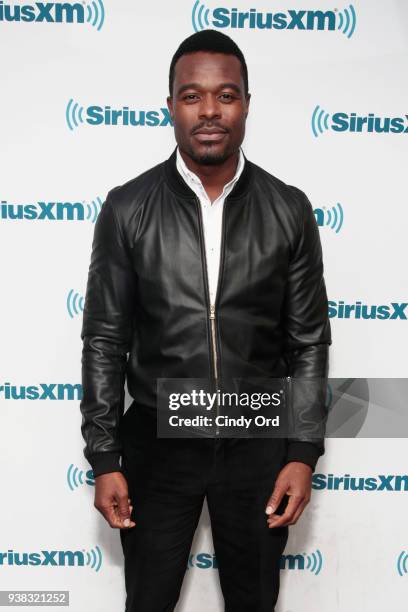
[
  {"x": 214, "y": 340},
  {"x": 212, "y": 307}
]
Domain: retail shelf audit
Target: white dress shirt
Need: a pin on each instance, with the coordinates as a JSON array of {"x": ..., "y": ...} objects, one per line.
[{"x": 212, "y": 217}]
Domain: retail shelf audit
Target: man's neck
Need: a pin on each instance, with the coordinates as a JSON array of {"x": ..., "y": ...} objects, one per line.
[{"x": 213, "y": 177}]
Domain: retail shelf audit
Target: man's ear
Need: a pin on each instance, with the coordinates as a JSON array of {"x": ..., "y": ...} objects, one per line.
[
  {"x": 170, "y": 105},
  {"x": 247, "y": 99}
]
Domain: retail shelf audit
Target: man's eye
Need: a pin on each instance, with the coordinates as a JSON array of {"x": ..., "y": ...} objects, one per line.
[
  {"x": 189, "y": 96},
  {"x": 227, "y": 96}
]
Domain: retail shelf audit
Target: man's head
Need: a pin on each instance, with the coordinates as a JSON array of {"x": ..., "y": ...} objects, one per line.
[{"x": 209, "y": 99}]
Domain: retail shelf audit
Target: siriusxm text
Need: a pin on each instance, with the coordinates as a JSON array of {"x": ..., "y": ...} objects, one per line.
[
  {"x": 43, "y": 211},
  {"x": 42, "y": 391},
  {"x": 49, "y": 12},
  {"x": 290, "y": 20},
  {"x": 351, "y": 122},
  {"x": 358, "y": 310},
  {"x": 380, "y": 482},
  {"x": 43, "y": 557},
  {"x": 99, "y": 115}
]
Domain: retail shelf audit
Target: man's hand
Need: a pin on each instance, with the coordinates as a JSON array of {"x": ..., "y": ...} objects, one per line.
[
  {"x": 112, "y": 501},
  {"x": 295, "y": 479}
]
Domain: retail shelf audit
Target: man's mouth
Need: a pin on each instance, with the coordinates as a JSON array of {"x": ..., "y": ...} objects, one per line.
[{"x": 210, "y": 135}]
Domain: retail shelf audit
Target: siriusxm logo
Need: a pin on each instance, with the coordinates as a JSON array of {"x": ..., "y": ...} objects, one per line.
[
  {"x": 358, "y": 310},
  {"x": 92, "y": 13},
  {"x": 78, "y": 558},
  {"x": 402, "y": 563},
  {"x": 43, "y": 391},
  {"x": 51, "y": 211},
  {"x": 202, "y": 561},
  {"x": 105, "y": 115},
  {"x": 302, "y": 561},
  {"x": 222, "y": 17},
  {"x": 77, "y": 477},
  {"x": 351, "y": 122},
  {"x": 330, "y": 217},
  {"x": 75, "y": 303},
  {"x": 380, "y": 482}
]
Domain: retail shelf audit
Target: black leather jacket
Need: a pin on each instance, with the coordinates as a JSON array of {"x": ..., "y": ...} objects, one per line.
[{"x": 147, "y": 295}]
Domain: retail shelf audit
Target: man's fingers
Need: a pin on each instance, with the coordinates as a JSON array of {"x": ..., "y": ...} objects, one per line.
[
  {"x": 294, "y": 507},
  {"x": 123, "y": 510},
  {"x": 117, "y": 518},
  {"x": 111, "y": 516},
  {"x": 275, "y": 499},
  {"x": 290, "y": 510},
  {"x": 113, "y": 501},
  {"x": 298, "y": 512}
]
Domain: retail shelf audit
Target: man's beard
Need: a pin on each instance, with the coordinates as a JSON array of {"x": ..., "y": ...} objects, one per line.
[{"x": 210, "y": 158}]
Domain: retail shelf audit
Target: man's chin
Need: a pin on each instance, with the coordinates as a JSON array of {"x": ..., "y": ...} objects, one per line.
[{"x": 210, "y": 156}]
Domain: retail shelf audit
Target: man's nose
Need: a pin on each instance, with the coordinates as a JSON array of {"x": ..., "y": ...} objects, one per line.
[{"x": 210, "y": 107}]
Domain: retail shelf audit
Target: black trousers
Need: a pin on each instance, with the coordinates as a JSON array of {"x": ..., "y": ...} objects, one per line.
[{"x": 168, "y": 481}]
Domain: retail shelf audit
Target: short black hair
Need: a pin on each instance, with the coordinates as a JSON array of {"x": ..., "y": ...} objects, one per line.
[{"x": 209, "y": 40}]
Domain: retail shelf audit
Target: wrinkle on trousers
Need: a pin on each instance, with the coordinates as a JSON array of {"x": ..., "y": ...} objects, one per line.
[{"x": 168, "y": 480}]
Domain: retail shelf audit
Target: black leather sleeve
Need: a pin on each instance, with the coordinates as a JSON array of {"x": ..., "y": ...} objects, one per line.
[
  {"x": 106, "y": 333},
  {"x": 308, "y": 336}
]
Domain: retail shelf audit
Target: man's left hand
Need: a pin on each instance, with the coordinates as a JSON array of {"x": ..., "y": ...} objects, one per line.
[{"x": 295, "y": 479}]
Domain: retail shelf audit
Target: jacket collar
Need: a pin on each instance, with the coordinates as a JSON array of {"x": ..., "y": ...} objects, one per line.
[{"x": 180, "y": 187}]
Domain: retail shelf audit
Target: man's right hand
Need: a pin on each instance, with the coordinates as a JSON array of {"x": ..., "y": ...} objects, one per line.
[{"x": 112, "y": 501}]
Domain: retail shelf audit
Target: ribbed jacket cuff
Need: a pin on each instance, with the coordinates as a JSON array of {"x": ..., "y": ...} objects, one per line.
[
  {"x": 105, "y": 462},
  {"x": 306, "y": 452}
]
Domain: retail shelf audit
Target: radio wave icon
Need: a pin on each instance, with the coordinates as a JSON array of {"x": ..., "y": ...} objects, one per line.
[
  {"x": 199, "y": 16},
  {"x": 320, "y": 121},
  {"x": 93, "y": 209},
  {"x": 334, "y": 217},
  {"x": 74, "y": 477},
  {"x": 347, "y": 21},
  {"x": 94, "y": 558},
  {"x": 314, "y": 562},
  {"x": 96, "y": 14},
  {"x": 73, "y": 114},
  {"x": 402, "y": 563},
  {"x": 75, "y": 303}
]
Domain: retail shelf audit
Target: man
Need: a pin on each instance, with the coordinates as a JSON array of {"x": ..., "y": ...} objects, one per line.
[{"x": 204, "y": 266}]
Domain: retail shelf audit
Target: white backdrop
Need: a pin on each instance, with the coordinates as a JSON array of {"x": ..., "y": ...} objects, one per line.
[{"x": 349, "y": 551}]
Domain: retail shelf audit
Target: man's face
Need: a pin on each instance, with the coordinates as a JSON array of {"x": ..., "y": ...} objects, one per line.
[{"x": 208, "y": 106}]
